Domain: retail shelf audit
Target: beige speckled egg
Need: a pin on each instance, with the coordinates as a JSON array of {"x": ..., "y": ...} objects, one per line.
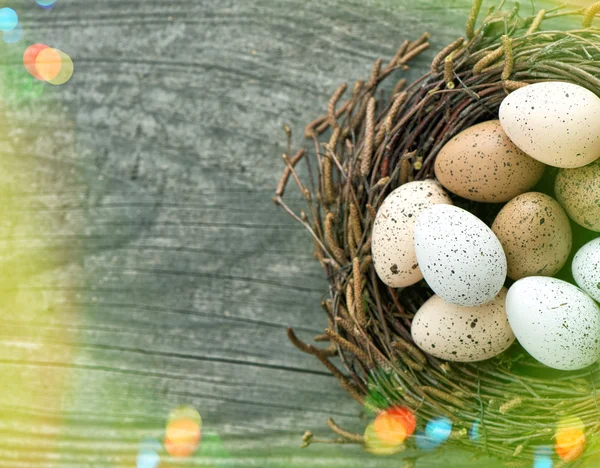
[
  {"x": 554, "y": 122},
  {"x": 483, "y": 165},
  {"x": 463, "y": 334},
  {"x": 578, "y": 191},
  {"x": 392, "y": 243},
  {"x": 536, "y": 235}
]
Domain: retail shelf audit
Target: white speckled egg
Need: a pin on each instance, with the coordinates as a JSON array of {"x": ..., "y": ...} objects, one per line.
[
  {"x": 586, "y": 268},
  {"x": 462, "y": 334},
  {"x": 556, "y": 322},
  {"x": 460, "y": 257},
  {"x": 554, "y": 122},
  {"x": 392, "y": 243}
]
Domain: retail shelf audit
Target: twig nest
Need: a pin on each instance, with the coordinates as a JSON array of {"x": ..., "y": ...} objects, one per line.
[
  {"x": 556, "y": 123},
  {"x": 364, "y": 205}
]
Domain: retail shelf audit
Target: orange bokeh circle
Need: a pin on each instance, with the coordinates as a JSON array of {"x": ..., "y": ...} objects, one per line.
[
  {"x": 390, "y": 429},
  {"x": 182, "y": 437},
  {"x": 30, "y": 56},
  {"x": 570, "y": 443},
  {"x": 48, "y": 63}
]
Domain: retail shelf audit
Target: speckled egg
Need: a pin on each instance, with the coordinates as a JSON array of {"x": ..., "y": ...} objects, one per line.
[
  {"x": 536, "y": 235},
  {"x": 392, "y": 243},
  {"x": 460, "y": 257},
  {"x": 463, "y": 334},
  {"x": 554, "y": 122},
  {"x": 578, "y": 191},
  {"x": 483, "y": 165},
  {"x": 586, "y": 268},
  {"x": 556, "y": 322}
]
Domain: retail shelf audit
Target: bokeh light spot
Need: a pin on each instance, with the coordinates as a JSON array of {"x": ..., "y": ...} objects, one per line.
[
  {"x": 474, "y": 431},
  {"x": 29, "y": 59},
  {"x": 425, "y": 443},
  {"x": 185, "y": 412},
  {"x": 14, "y": 35},
  {"x": 542, "y": 457},
  {"x": 48, "y": 63},
  {"x": 147, "y": 459},
  {"x": 376, "y": 446},
  {"x": 389, "y": 428},
  {"x": 570, "y": 443},
  {"x": 8, "y": 19},
  {"x": 182, "y": 437},
  {"x": 439, "y": 429},
  {"x": 46, "y": 4},
  {"x": 66, "y": 70},
  {"x": 150, "y": 445}
]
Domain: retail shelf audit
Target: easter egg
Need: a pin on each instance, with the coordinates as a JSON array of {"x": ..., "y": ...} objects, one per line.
[
  {"x": 462, "y": 334},
  {"x": 460, "y": 257},
  {"x": 392, "y": 238},
  {"x": 554, "y": 122},
  {"x": 556, "y": 322},
  {"x": 586, "y": 268},
  {"x": 536, "y": 235},
  {"x": 578, "y": 191},
  {"x": 482, "y": 164}
]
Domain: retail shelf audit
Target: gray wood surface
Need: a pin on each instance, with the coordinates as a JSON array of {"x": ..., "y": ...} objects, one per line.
[{"x": 143, "y": 263}]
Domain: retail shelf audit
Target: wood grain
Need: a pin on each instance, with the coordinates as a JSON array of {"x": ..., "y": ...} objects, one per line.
[{"x": 144, "y": 265}]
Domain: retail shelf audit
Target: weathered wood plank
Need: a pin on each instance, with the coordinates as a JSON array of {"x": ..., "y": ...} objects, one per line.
[{"x": 143, "y": 263}]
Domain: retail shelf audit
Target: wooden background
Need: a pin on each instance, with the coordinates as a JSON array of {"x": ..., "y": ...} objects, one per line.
[{"x": 143, "y": 264}]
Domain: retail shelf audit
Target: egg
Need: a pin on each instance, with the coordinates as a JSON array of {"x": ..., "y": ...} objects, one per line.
[
  {"x": 460, "y": 257},
  {"x": 392, "y": 237},
  {"x": 586, "y": 268},
  {"x": 555, "y": 321},
  {"x": 463, "y": 334},
  {"x": 578, "y": 191},
  {"x": 536, "y": 235},
  {"x": 554, "y": 122},
  {"x": 483, "y": 165}
]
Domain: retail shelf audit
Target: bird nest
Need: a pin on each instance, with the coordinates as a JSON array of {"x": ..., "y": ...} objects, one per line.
[{"x": 373, "y": 142}]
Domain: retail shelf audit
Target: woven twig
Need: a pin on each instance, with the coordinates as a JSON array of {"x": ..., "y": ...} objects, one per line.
[{"x": 373, "y": 148}]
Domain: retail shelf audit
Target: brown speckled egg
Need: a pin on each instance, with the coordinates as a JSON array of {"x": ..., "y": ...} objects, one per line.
[
  {"x": 393, "y": 244},
  {"x": 483, "y": 165},
  {"x": 578, "y": 191},
  {"x": 462, "y": 334},
  {"x": 536, "y": 235}
]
